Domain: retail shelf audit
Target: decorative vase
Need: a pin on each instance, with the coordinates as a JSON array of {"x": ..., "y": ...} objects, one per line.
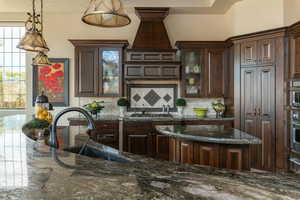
[
  {"x": 180, "y": 110},
  {"x": 122, "y": 111}
]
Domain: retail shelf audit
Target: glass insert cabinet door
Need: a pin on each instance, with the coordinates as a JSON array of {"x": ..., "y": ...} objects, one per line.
[
  {"x": 193, "y": 71},
  {"x": 110, "y": 70}
]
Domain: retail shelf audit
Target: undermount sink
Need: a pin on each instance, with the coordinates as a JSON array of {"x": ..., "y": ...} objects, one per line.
[
  {"x": 96, "y": 153},
  {"x": 151, "y": 115}
]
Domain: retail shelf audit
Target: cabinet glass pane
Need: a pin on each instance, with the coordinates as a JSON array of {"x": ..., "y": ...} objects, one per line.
[
  {"x": 193, "y": 67},
  {"x": 110, "y": 71}
]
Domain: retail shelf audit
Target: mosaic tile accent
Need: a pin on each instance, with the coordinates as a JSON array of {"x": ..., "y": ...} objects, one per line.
[
  {"x": 136, "y": 97},
  {"x": 167, "y": 98},
  {"x": 151, "y": 97}
]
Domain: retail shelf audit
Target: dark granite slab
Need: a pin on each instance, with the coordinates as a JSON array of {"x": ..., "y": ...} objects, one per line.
[
  {"x": 158, "y": 119},
  {"x": 209, "y": 133},
  {"x": 32, "y": 171}
]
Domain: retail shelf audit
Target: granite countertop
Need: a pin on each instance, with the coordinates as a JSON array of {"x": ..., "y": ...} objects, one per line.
[
  {"x": 31, "y": 170},
  {"x": 174, "y": 118},
  {"x": 209, "y": 133}
]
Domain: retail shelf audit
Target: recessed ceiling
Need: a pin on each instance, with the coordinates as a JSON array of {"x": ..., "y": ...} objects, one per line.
[{"x": 71, "y": 6}]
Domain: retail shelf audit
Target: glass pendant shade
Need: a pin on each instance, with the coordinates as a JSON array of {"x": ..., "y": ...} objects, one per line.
[
  {"x": 106, "y": 13},
  {"x": 41, "y": 60},
  {"x": 33, "y": 41}
]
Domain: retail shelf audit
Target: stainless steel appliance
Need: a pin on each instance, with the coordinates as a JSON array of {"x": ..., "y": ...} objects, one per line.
[{"x": 295, "y": 139}]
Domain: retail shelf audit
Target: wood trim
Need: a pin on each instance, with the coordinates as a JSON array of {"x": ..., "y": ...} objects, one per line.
[
  {"x": 100, "y": 43},
  {"x": 201, "y": 44},
  {"x": 277, "y": 32},
  {"x": 237, "y": 87}
]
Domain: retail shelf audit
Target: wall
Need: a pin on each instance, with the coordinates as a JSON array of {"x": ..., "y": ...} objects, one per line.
[
  {"x": 291, "y": 11},
  {"x": 250, "y": 16}
]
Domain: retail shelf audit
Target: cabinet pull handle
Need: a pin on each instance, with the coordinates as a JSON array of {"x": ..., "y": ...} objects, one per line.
[{"x": 255, "y": 112}]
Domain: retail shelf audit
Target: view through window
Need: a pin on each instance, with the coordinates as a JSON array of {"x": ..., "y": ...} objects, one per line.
[{"x": 12, "y": 68}]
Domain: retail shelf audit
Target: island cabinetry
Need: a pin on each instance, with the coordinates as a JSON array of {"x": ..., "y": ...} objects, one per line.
[
  {"x": 215, "y": 155},
  {"x": 203, "y": 66},
  {"x": 99, "y": 67}
]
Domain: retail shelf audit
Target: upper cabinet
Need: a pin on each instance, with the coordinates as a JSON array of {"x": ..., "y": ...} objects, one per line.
[
  {"x": 98, "y": 67},
  {"x": 294, "y": 51},
  {"x": 258, "y": 52},
  {"x": 203, "y": 65}
]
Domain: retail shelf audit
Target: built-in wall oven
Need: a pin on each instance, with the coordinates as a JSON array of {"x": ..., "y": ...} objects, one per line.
[{"x": 295, "y": 139}]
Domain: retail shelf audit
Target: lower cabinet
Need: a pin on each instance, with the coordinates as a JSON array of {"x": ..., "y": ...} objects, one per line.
[{"x": 215, "y": 155}]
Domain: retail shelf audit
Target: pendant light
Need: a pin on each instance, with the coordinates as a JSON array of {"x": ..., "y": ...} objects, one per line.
[
  {"x": 106, "y": 13},
  {"x": 41, "y": 59},
  {"x": 33, "y": 40}
]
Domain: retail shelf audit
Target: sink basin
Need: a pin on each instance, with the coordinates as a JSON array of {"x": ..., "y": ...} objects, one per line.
[
  {"x": 151, "y": 115},
  {"x": 97, "y": 153}
]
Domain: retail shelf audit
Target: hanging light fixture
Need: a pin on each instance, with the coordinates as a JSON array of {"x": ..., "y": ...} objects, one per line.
[
  {"x": 33, "y": 40},
  {"x": 106, "y": 13},
  {"x": 41, "y": 59}
]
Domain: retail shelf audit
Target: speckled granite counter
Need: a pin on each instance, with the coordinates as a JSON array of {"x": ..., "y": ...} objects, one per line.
[
  {"x": 30, "y": 170},
  {"x": 174, "y": 118},
  {"x": 209, "y": 133}
]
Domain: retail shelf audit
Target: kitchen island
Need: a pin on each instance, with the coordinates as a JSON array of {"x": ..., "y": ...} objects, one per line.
[
  {"x": 30, "y": 170},
  {"x": 213, "y": 145}
]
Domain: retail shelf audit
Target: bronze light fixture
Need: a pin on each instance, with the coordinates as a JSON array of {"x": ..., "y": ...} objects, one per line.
[
  {"x": 33, "y": 40},
  {"x": 106, "y": 13}
]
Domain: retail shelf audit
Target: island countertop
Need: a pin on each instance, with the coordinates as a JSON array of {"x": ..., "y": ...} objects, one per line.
[
  {"x": 31, "y": 170},
  {"x": 209, "y": 133}
]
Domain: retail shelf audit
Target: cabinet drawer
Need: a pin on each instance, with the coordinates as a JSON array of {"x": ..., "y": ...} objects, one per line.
[
  {"x": 151, "y": 56},
  {"x": 152, "y": 71}
]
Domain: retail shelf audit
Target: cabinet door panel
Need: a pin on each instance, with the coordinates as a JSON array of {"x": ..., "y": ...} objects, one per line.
[
  {"x": 162, "y": 147},
  {"x": 206, "y": 154},
  {"x": 295, "y": 57},
  {"x": 266, "y": 51},
  {"x": 193, "y": 74},
  {"x": 86, "y": 71},
  {"x": 110, "y": 72},
  {"x": 215, "y": 75},
  {"x": 266, "y": 116},
  {"x": 249, "y": 53},
  {"x": 248, "y": 98},
  {"x": 138, "y": 144},
  {"x": 186, "y": 152}
]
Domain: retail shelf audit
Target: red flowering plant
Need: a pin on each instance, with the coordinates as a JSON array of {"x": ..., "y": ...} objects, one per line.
[{"x": 52, "y": 78}]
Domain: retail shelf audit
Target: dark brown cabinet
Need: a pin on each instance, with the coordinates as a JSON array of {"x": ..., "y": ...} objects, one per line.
[
  {"x": 258, "y": 106},
  {"x": 99, "y": 68},
  {"x": 294, "y": 57},
  {"x": 215, "y": 155},
  {"x": 258, "y": 52},
  {"x": 86, "y": 72},
  {"x": 203, "y": 65},
  {"x": 259, "y": 96}
]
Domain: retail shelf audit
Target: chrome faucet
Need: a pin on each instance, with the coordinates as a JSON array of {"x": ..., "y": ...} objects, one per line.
[
  {"x": 168, "y": 109},
  {"x": 53, "y": 135}
]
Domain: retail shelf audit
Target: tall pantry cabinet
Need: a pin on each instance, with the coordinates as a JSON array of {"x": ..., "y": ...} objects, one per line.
[{"x": 260, "y": 96}]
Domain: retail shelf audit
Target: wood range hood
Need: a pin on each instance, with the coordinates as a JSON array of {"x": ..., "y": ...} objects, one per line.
[{"x": 151, "y": 55}]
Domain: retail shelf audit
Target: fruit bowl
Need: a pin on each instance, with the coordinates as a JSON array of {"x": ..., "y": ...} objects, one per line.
[
  {"x": 200, "y": 112},
  {"x": 94, "y": 108}
]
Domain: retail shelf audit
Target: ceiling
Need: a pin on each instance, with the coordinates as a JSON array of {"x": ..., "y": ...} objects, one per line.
[{"x": 71, "y": 6}]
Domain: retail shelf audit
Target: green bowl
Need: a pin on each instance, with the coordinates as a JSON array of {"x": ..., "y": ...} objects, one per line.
[{"x": 200, "y": 112}]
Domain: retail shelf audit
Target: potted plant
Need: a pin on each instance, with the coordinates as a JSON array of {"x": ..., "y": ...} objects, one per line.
[
  {"x": 180, "y": 104},
  {"x": 123, "y": 103}
]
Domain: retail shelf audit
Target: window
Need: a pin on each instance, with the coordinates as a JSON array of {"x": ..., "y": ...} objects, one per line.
[{"x": 12, "y": 68}]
